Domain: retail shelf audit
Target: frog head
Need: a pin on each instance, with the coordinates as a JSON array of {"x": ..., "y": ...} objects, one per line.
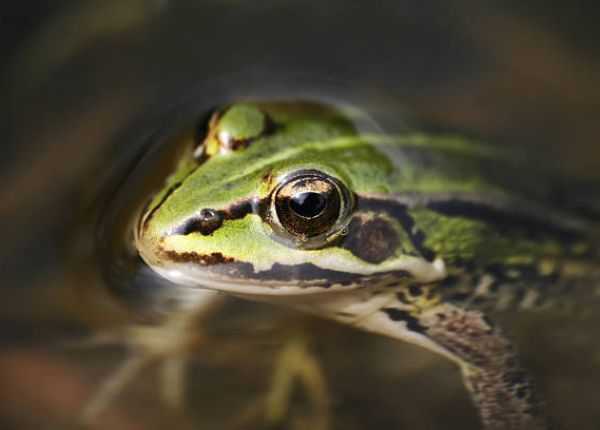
[{"x": 282, "y": 198}]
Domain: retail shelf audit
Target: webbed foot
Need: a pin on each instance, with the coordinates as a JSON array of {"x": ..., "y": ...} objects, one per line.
[{"x": 167, "y": 345}]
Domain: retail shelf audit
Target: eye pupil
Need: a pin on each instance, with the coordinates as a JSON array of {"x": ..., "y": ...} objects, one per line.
[{"x": 308, "y": 204}]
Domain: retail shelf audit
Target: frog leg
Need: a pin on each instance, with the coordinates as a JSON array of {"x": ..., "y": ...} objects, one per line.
[
  {"x": 110, "y": 389},
  {"x": 297, "y": 362},
  {"x": 168, "y": 343},
  {"x": 499, "y": 386}
]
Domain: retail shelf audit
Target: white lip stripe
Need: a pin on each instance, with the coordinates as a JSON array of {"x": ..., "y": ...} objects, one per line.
[{"x": 188, "y": 275}]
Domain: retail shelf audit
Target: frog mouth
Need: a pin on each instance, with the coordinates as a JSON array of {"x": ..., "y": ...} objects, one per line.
[
  {"x": 273, "y": 284},
  {"x": 215, "y": 271}
]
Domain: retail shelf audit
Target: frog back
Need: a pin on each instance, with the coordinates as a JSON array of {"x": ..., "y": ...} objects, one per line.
[{"x": 500, "y": 220}]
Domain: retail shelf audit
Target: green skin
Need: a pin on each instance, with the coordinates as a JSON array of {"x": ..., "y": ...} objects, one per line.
[{"x": 432, "y": 234}]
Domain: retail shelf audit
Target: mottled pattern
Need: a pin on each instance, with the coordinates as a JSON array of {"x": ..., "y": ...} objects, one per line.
[{"x": 500, "y": 387}]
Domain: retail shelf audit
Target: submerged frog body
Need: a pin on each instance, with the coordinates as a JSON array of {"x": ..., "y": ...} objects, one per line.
[{"x": 423, "y": 238}]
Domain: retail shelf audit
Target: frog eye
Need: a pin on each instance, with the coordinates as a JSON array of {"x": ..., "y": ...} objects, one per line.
[
  {"x": 234, "y": 128},
  {"x": 309, "y": 205}
]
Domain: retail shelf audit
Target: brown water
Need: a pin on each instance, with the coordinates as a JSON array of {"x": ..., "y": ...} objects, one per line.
[{"x": 85, "y": 82}]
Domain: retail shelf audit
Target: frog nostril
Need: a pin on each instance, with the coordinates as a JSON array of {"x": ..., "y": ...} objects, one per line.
[
  {"x": 209, "y": 215},
  {"x": 205, "y": 223}
]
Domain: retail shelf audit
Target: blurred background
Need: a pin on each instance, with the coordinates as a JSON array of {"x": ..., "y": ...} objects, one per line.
[{"x": 82, "y": 81}]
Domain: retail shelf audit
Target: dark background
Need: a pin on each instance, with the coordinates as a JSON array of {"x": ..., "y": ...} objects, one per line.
[{"x": 79, "y": 78}]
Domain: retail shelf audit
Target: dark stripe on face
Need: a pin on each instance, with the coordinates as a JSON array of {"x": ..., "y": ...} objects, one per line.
[
  {"x": 201, "y": 132},
  {"x": 240, "y": 209},
  {"x": 209, "y": 220},
  {"x": 201, "y": 259}
]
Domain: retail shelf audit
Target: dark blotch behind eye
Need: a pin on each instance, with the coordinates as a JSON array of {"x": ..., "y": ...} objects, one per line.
[
  {"x": 308, "y": 204},
  {"x": 372, "y": 240}
]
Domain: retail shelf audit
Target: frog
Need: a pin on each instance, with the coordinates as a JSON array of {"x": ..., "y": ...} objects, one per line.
[{"x": 427, "y": 238}]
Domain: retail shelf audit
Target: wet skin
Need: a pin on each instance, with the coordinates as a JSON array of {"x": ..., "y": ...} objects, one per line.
[{"x": 423, "y": 238}]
